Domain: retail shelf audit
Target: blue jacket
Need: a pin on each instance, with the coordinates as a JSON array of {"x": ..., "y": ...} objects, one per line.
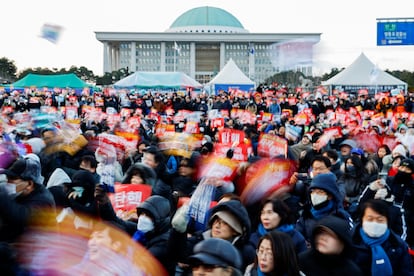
[{"x": 395, "y": 248}]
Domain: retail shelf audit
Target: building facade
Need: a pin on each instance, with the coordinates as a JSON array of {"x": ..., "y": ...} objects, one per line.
[{"x": 201, "y": 41}]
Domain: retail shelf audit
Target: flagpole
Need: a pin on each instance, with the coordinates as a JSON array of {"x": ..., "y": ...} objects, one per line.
[{"x": 175, "y": 50}]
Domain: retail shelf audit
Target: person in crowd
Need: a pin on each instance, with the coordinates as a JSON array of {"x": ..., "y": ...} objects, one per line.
[
  {"x": 325, "y": 199},
  {"x": 399, "y": 151},
  {"x": 80, "y": 193},
  {"x": 215, "y": 257},
  {"x": 24, "y": 200},
  {"x": 276, "y": 215},
  {"x": 274, "y": 107},
  {"x": 155, "y": 159},
  {"x": 378, "y": 250},
  {"x": 57, "y": 185},
  {"x": 381, "y": 152},
  {"x": 331, "y": 251},
  {"x": 52, "y": 156},
  {"x": 228, "y": 221},
  {"x": 402, "y": 188},
  {"x": 345, "y": 148},
  {"x": 335, "y": 162},
  {"x": 185, "y": 183},
  {"x": 139, "y": 173},
  {"x": 379, "y": 189},
  {"x": 352, "y": 183},
  {"x": 305, "y": 144},
  {"x": 275, "y": 255},
  {"x": 302, "y": 181},
  {"x": 153, "y": 229},
  {"x": 88, "y": 162},
  {"x": 370, "y": 166},
  {"x": 305, "y": 159}
]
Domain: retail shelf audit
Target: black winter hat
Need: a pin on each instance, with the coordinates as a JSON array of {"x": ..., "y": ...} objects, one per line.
[
  {"x": 215, "y": 251},
  {"x": 409, "y": 163}
]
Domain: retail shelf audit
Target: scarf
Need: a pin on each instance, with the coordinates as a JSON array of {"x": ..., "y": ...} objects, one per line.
[
  {"x": 139, "y": 236},
  {"x": 381, "y": 264},
  {"x": 320, "y": 213},
  {"x": 285, "y": 228},
  {"x": 259, "y": 272}
]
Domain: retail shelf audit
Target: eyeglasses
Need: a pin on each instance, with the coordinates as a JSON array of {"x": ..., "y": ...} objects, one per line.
[{"x": 264, "y": 253}]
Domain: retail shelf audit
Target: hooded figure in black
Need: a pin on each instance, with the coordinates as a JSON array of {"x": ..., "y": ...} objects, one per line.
[
  {"x": 146, "y": 173},
  {"x": 80, "y": 192},
  {"x": 153, "y": 228},
  {"x": 228, "y": 216},
  {"x": 329, "y": 256},
  {"x": 319, "y": 207}
]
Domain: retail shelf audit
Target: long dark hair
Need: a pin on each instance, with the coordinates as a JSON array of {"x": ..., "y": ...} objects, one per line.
[{"x": 285, "y": 259}]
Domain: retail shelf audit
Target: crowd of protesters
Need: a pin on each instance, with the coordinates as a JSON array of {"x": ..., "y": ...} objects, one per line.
[{"x": 347, "y": 205}]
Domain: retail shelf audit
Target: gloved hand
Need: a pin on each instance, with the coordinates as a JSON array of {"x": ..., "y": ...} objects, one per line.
[
  {"x": 381, "y": 193},
  {"x": 181, "y": 218},
  {"x": 377, "y": 184}
]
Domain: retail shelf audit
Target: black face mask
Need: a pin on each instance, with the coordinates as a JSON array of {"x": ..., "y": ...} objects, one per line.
[
  {"x": 402, "y": 178},
  {"x": 351, "y": 171}
]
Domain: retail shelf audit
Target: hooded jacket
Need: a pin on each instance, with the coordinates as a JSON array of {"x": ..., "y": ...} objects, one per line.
[
  {"x": 307, "y": 221},
  {"x": 312, "y": 262},
  {"x": 246, "y": 249},
  {"x": 159, "y": 209},
  {"x": 147, "y": 174},
  {"x": 55, "y": 185}
]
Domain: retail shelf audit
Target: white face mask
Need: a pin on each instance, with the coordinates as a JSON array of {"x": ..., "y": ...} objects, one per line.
[
  {"x": 374, "y": 229},
  {"x": 318, "y": 199},
  {"x": 145, "y": 224},
  {"x": 10, "y": 188}
]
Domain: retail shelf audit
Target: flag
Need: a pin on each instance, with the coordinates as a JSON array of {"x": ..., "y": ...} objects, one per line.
[
  {"x": 373, "y": 75},
  {"x": 51, "y": 32},
  {"x": 251, "y": 50},
  {"x": 177, "y": 48}
]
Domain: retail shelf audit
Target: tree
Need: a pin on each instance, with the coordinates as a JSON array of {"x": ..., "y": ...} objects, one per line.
[
  {"x": 334, "y": 71},
  {"x": 289, "y": 78},
  {"x": 83, "y": 73},
  {"x": 8, "y": 70}
]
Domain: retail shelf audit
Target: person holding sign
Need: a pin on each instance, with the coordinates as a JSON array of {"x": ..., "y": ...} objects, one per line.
[{"x": 228, "y": 221}]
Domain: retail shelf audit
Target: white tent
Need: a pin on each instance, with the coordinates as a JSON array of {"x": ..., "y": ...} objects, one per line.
[
  {"x": 231, "y": 77},
  {"x": 164, "y": 80},
  {"x": 363, "y": 74}
]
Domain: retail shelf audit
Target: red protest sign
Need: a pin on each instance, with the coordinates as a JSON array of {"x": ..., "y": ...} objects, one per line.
[
  {"x": 272, "y": 146},
  {"x": 127, "y": 197}
]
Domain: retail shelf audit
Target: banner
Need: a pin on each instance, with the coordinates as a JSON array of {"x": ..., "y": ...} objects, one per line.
[
  {"x": 266, "y": 177},
  {"x": 127, "y": 197},
  {"x": 272, "y": 146}
]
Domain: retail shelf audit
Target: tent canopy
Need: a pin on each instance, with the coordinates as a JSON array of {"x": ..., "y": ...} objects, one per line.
[
  {"x": 362, "y": 72},
  {"x": 171, "y": 80},
  {"x": 51, "y": 81},
  {"x": 231, "y": 77}
]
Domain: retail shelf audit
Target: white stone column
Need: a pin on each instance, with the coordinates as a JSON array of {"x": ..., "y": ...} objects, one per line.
[
  {"x": 162, "y": 57},
  {"x": 133, "y": 61},
  {"x": 106, "y": 58},
  {"x": 192, "y": 60},
  {"x": 222, "y": 55},
  {"x": 252, "y": 71}
]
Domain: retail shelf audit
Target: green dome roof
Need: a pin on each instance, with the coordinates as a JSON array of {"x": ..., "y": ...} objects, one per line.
[{"x": 205, "y": 17}]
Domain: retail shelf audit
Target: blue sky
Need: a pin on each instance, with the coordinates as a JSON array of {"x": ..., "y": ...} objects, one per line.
[{"x": 348, "y": 28}]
